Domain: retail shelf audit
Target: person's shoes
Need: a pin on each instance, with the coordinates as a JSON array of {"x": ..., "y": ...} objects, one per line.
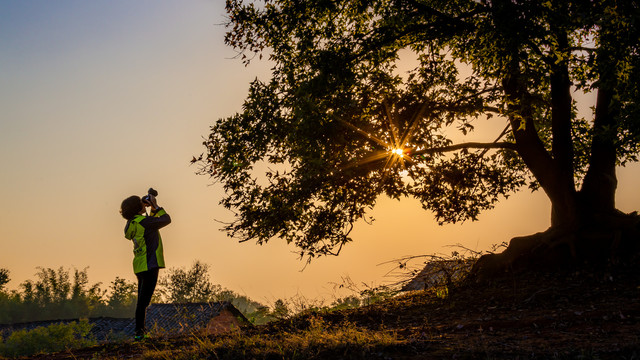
[{"x": 141, "y": 337}]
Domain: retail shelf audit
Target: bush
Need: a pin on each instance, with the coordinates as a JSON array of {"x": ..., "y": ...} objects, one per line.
[{"x": 55, "y": 337}]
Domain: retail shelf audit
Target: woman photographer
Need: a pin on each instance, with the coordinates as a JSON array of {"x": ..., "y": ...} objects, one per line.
[{"x": 148, "y": 257}]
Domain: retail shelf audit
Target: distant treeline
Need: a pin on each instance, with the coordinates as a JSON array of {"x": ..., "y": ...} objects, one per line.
[{"x": 65, "y": 294}]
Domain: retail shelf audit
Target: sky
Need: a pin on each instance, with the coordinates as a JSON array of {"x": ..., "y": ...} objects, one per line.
[{"x": 100, "y": 100}]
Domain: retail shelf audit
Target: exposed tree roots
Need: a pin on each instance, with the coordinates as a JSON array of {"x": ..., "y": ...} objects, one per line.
[{"x": 602, "y": 240}]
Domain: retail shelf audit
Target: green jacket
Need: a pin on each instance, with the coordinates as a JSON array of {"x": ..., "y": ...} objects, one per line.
[{"x": 147, "y": 243}]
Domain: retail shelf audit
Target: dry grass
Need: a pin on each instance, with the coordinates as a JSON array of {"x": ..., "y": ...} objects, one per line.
[{"x": 345, "y": 340}]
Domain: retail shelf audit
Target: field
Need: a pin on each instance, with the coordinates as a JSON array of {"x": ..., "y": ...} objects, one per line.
[{"x": 578, "y": 315}]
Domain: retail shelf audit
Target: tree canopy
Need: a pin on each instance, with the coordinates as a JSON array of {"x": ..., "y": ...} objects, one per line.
[{"x": 341, "y": 122}]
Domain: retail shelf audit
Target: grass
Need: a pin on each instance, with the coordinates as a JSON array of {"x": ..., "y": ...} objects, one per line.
[{"x": 320, "y": 338}]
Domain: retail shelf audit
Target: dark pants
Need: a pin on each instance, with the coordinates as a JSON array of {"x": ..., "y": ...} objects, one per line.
[{"x": 146, "y": 286}]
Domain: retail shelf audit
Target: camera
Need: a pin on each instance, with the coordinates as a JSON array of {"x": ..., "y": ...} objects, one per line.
[{"x": 147, "y": 198}]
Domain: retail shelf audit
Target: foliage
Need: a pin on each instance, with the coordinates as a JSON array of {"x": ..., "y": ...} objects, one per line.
[
  {"x": 56, "y": 294},
  {"x": 10, "y": 305},
  {"x": 53, "y": 295},
  {"x": 280, "y": 309},
  {"x": 373, "y": 295},
  {"x": 193, "y": 285},
  {"x": 55, "y": 337},
  {"x": 122, "y": 299},
  {"x": 348, "y": 302},
  {"x": 54, "y": 291},
  {"x": 4, "y": 278},
  {"x": 363, "y": 294},
  {"x": 339, "y": 124}
]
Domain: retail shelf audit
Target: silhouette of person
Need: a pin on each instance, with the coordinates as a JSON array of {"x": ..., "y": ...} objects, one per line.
[{"x": 148, "y": 257}]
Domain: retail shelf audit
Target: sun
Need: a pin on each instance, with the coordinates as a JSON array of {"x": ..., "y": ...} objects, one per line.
[
  {"x": 397, "y": 144},
  {"x": 395, "y": 154}
]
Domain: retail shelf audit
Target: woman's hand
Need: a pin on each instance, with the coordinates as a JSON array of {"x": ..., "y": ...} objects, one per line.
[{"x": 153, "y": 202}]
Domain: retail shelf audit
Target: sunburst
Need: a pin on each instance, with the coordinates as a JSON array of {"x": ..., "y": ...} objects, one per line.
[{"x": 398, "y": 148}]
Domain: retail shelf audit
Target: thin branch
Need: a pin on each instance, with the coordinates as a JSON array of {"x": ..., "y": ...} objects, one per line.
[
  {"x": 392, "y": 125},
  {"x": 582, "y": 48},
  {"x": 364, "y": 133},
  {"x": 409, "y": 132},
  {"x": 457, "y": 20},
  {"x": 503, "y": 133}
]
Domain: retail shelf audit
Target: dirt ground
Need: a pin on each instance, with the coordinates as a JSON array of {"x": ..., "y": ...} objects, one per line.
[
  {"x": 567, "y": 316},
  {"x": 577, "y": 315}
]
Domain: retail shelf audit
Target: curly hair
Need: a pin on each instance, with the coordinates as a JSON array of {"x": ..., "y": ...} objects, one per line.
[{"x": 131, "y": 207}]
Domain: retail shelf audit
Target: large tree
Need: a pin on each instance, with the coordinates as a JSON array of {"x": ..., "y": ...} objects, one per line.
[{"x": 340, "y": 123}]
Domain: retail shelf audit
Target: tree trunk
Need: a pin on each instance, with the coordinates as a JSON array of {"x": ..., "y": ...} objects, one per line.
[
  {"x": 586, "y": 228},
  {"x": 562, "y": 142},
  {"x": 600, "y": 183},
  {"x": 554, "y": 178},
  {"x": 605, "y": 241}
]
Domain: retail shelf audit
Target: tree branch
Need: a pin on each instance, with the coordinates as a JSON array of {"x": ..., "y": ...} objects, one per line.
[
  {"x": 468, "y": 145},
  {"x": 582, "y": 48},
  {"x": 452, "y": 19},
  {"x": 435, "y": 28}
]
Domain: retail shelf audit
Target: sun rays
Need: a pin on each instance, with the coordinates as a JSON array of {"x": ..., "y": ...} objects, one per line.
[{"x": 397, "y": 148}]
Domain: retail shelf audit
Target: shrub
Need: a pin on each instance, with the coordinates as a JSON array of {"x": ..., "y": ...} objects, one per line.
[{"x": 55, "y": 337}]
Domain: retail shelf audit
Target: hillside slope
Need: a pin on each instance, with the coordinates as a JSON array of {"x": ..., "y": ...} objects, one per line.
[{"x": 562, "y": 316}]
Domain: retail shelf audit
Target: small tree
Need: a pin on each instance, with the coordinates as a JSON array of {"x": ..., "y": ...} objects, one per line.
[
  {"x": 122, "y": 298},
  {"x": 7, "y": 300},
  {"x": 280, "y": 309},
  {"x": 193, "y": 285},
  {"x": 85, "y": 299}
]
